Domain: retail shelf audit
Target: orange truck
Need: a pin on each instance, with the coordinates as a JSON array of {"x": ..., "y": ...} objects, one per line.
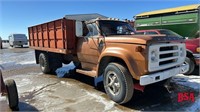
[{"x": 101, "y": 46}]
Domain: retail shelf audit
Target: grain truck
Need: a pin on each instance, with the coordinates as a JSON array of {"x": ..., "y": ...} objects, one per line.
[{"x": 101, "y": 46}]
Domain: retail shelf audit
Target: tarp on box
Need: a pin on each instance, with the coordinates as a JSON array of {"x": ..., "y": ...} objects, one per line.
[{"x": 85, "y": 17}]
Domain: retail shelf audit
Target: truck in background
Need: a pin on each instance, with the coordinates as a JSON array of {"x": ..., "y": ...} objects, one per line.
[
  {"x": 183, "y": 20},
  {"x": 1, "y": 43},
  {"x": 17, "y": 40},
  {"x": 193, "y": 46},
  {"x": 105, "y": 47}
]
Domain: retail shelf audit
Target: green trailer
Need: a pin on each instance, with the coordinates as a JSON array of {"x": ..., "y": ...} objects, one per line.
[{"x": 183, "y": 20}]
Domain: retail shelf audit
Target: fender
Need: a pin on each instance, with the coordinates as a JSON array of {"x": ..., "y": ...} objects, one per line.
[
  {"x": 131, "y": 62},
  {"x": 187, "y": 50}
]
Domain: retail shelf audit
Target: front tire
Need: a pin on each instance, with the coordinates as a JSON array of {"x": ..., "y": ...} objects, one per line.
[
  {"x": 12, "y": 94},
  {"x": 118, "y": 83},
  {"x": 191, "y": 64},
  {"x": 44, "y": 63}
]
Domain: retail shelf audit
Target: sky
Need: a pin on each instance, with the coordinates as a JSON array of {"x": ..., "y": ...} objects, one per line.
[{"x": 17, "y": 15}]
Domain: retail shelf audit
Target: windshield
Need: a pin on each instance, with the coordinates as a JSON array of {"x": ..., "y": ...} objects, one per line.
[
  {"x": 170, "y": 33},
  {"x": 115, "y": 28},
  {"x": 19, "y": 37}
]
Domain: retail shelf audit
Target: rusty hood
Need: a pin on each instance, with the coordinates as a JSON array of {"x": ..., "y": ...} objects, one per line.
[{"x": 141, "y": 39}]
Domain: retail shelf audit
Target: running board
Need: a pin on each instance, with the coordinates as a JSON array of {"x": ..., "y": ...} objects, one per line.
[{"x": 91, "y": 73}]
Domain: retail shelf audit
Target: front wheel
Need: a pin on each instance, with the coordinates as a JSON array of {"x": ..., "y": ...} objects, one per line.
[
  {"x": 12, "y": 94},
  {"x": 191, "y": 64},
  {"x": 118, "y": 83}
]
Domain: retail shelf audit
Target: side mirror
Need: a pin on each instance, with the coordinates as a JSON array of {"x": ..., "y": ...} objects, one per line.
[{"x": 79, "y": 29}]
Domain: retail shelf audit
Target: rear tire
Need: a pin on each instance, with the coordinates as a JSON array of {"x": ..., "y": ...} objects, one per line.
[
  {"x": 118, "y": 83},
  {"x": 12, "y": 94},
  {"x": 44, "y": 63},
  {"x": 191, "y": 64}
]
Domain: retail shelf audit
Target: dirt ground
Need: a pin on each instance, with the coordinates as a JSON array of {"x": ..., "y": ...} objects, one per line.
[{"x": 45, "y": 92}]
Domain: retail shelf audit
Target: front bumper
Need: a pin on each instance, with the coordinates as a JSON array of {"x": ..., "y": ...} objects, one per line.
[
  {"x": 197, "y": 58},
  {"x": 20, "y": 43},
  {"x": 156, "y": 77}
]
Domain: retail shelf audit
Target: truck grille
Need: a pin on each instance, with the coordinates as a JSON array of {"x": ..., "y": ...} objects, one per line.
[{"x": 167, "y": 55}]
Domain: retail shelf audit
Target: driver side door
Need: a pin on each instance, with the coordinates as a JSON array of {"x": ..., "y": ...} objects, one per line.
[{"x": 88, "y": 48}]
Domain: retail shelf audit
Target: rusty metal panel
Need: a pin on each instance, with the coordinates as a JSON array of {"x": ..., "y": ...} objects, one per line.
[
  {"x": 59, "y": 36},
  {"x": 70, "y": 34},
  {"x": 56, "y": 36},
  {"x": 35, "y": 40},
  {"x": 45, "y": 34},
  {"x": 30, "y": 37}
]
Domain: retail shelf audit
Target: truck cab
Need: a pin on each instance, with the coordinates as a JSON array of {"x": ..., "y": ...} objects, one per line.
[{"x": 17, "y": 40}]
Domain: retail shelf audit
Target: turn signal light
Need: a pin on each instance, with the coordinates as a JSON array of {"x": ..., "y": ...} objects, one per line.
[
  {"x": 139, "y": 49},
  {"x": 198, "y": 49}
]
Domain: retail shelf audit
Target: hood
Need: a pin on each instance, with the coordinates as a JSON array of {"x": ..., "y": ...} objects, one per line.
[
  {"x": 195, "y": 42},
  {"x": 141, "y": 39}
]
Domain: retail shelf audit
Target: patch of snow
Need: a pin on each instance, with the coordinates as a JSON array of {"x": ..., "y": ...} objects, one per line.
[
  {"x": 64, "y": 71},
  {"x": 62, "y": 82},
  {"x": 192, "y": 82},
  {"x": 24, "y": 82},
  {"x": 2, "y": 98},
  {"x": 66, "y": 83},
  {"x": 10, "y": 61},
  {"x": 195, "y": 107},
  {"x": 36, "y": 88},
  {"x": 27, "y": 62},
  {"x": 108, "y": 104},
  {"x": 189, "y": 81}
]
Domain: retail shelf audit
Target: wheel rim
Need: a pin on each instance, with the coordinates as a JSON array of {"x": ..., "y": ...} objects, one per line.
[
  {"x": 186, "y": 63},
  {"x": 112, "y": 83}
]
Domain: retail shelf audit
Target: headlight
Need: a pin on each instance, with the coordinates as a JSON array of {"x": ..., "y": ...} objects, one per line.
[
  {"x": 198, "y": 49},
  {"x": 181, "y": 51},
  {"x": 154, "y": 56}
]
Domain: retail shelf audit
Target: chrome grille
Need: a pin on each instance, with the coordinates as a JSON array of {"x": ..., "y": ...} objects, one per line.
[{"x": 167, "y": 55}]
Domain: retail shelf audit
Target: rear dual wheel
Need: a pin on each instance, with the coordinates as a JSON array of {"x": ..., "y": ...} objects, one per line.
[{"x": 49, "y": 65}]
